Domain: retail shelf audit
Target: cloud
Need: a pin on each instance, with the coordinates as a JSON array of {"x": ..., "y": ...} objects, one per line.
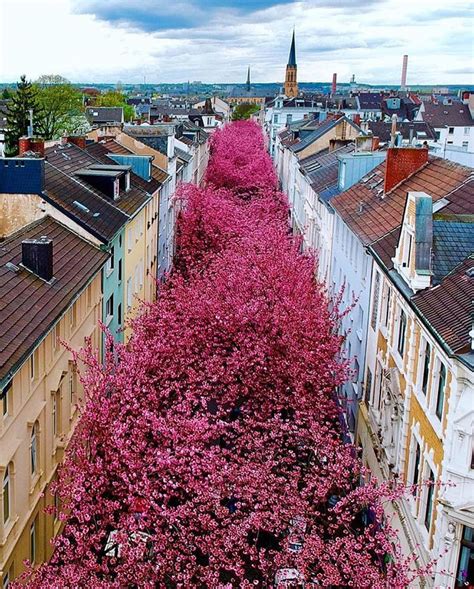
[{"x": 152, "y": 15}]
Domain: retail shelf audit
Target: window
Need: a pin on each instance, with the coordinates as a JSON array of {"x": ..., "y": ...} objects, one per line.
[
  {"x": 275, "y": 118},
  {"x": 387, "y": 306},
  {"x": 429, "y": 501},
  {"x": 407, "y": 250},
  {"x": 6, "y": 580},
  {"x": 467, "y": 130},
  {"x": 33, "y": 542},
  {"x": 34, "y": 449},
  {"x": 416, "y": 467},
  {"x": 440, "y": 392},
  {"x": 289, "y": 118},
  {"x": 109, "y": 309},
  {"x": 56, "y": 335},
  {"x": 89, "y": 296},
  {"x": 33, "y": 365},
  {"x": 6, "y": 488},
  {"x": 373, "y": 318},
  {"x": 465, "y": 572},
  {"x": 451, "y": 130},
  {"x": 72, "y": 385},
  {"x": 368, "y": 386},
  {"x": 129, "y": 293},
  {"x": 4, "y": 394},
  {"x": 426, "y": 367},
  {"x": 73, "y": 316},
  {"x": 402, "y": 328},
  {"x": 465, "y": 144},
  {"x": 57, "y": 506},
  {"x": 110, "y": 264},
  {"x": 120, "y": 270},
  {"x": 56, "y": 412}
]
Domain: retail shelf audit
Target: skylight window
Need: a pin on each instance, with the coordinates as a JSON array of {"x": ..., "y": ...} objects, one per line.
[{"x": 79, "y": 205}]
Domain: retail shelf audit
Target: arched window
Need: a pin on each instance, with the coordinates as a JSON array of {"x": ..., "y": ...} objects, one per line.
[
  {"x": 34, "y": 449},
  {"x": 6, "y": 491}
]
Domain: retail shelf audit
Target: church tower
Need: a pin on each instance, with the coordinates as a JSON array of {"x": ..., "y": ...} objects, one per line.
[
  {"x": 247, "y": 85},
  {"x": 291, "y": 84}
]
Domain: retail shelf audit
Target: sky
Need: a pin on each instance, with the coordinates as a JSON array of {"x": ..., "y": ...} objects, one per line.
[{"x": 215, "y": 41}]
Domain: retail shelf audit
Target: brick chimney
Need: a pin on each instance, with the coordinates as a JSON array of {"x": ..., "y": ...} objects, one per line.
[
  {"x": 23, "y": 145},
  {"x": 34, "y": 144},
  {"x": 37, "y": 256},
  {"x": 401, "y": 163},
  {"x": 78, "y": 140}
]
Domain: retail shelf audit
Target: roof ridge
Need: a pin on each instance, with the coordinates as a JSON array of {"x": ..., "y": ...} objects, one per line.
[{"x": 408, "y": 177}]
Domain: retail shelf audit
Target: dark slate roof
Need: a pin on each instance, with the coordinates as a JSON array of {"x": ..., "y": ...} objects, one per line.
[
  {"x": 157, "y": 111},
  {"x": 370, "y": 100},
  {"x": 136, "y": 100},
  {"x": 183, "y": 155},
  {"x": 453, "y": 242},
  {"x": 406, "y": 111},
  {"x": 70, "y": 159},
  {"x": 438, "y": 178},
  {"x": 322, "y": 169},
  {"x": 448, "y": 307},
  {"x": 29, "y": 306},
  {"x": 101, "y": 150},
  {"x": 105, "y": 114},
  {"x": 421, "y": 130},
  {"x": 82, "y": 204},
  {"x": 447, "y": 115}
]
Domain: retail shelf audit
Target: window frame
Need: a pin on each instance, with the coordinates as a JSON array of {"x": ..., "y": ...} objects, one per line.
[
  {"x": 440, "y": 391},
  {"x": 6, "y": 495},
  {"x": 402, "y": 323},
  {"x": 425, "y": 369},
  {"x": 34, "y": 450}
]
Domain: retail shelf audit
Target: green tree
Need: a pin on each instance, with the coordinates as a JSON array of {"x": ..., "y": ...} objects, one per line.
[
  {"x": 18, "y": 116},
  {"x": 61, "y": 109},
  {"x": 244, "y": 111},
  {"x": 114, "y": 98},
  {"x": 6, "y": 94},
  {"x": 48, "y": 79}
]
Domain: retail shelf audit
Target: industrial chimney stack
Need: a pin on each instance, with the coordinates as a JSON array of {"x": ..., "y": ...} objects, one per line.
[
  {"x": 403, "y": 85},
  {"x": 334, "y": 84}
]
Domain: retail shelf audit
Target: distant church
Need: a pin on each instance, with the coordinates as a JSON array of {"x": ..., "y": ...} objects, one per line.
[
  {"x": 291, "y": 83},
  {"x": 248, "y": 94}
]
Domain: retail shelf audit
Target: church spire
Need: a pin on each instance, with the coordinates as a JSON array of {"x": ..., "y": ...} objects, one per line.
[
  {"x": 291, "y": 83},
  {"x": 292, "y": 57},
  {"x": 247, "y": 85}
]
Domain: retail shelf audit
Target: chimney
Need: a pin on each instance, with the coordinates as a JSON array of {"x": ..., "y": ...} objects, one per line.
[
  {"x": 334, "y": 84},
  {"x": 37, "y": 146},
  {"x": 34, "y": 144},
  {"x": 403, "y": 85},
  {"x": 401, "y": 163},
  {"x": 356, "y": 119},
  {"x": 23, "y": 145},
  {"x": 393, "y": 132},
  {"x": 37, "y": 256},
  {"x": 78, "y": 140},
  {"x": 375, "y": 143}
]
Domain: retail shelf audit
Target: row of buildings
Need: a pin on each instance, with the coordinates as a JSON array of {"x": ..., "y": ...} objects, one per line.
[
  {"x": 393, "y": 230},
  {"x": 86, "y": 233}
]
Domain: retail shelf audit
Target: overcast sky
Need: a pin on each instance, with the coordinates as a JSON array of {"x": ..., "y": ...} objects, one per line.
[{"x": 215, "y": 40}]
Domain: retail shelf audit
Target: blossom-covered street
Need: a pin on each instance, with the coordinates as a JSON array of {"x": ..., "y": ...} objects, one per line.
[{"x": 210, "y": 452}]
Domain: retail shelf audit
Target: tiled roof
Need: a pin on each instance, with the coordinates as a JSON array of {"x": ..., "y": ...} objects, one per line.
[
  {"x": 383, "y": 213},
  {"x": 447, "y": 115},
  {"x": 320, "y": 130},
  {"x": 100, "y": 151},
  {"x": 370, "y": 100},
  {"x": 421, "y": 130},
  {"x": 322, "y": 168},
  {"x": 104, "y": 114},
  {"x": 183, "y": 155},
  {"x": 70, "y": 158},
  {"x": 29, "y": 306},
  {"x": 453, "y": 242},
  {"x": 448, "y": 307},
  {"x": 84, "y": 205}
]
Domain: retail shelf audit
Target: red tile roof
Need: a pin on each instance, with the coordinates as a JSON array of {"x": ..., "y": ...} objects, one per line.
[
  {"x": 29, "y": 306},
  {"x": 448, "y": 307},
  {"x": 383, "y": 213}
]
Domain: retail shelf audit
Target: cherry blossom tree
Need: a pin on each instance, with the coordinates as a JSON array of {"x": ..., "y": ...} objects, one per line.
[{"x": 209, "y": 450}]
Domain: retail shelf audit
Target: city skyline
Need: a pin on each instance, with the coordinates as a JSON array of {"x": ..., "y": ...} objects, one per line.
[{"x": 87, "y": 41}]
